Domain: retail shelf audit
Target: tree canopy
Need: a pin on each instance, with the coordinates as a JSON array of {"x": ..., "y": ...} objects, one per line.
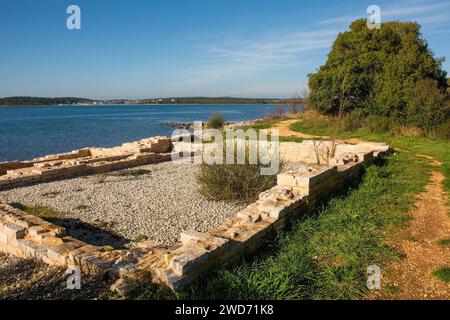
[{"x": 388, "y": 71}]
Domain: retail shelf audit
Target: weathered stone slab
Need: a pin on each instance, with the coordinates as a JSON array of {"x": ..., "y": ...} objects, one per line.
[
  {"x": 192, "y": 235},
  {"x": 304, "y": 181},
  {"x": 13, "y": 231},
  {"x": 188, "y": 259}
]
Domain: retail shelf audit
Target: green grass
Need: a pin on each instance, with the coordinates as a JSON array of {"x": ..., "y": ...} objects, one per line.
[
  {"x": 41, "y": 211},
  {"x": 436, "y": 148},
  {"x": 291, "y": 139},
  {"x": 262, "y": 125},
  {"x": 325, "y": 255},
  {"x": 140, "y": 238},
  {"x": 443, "y": 274},
  {"x": 313, "y": 127},
  {"x": 444, "y": 242}
]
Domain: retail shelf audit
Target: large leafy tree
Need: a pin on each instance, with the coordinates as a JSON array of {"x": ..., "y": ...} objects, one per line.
[{"x": 389, "y": 71}]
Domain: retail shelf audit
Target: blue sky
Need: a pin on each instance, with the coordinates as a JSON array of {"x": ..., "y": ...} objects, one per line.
[{"x": 157, "y": 48}]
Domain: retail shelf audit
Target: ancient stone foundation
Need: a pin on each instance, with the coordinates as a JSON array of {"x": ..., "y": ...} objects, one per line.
[
  {"x": 296, "y": 192},
  {"x": 84, "y": 162}
]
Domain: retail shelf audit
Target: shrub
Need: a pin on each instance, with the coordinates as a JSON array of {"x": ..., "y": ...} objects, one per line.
[
  {"x": 352, "y": 121},
  {"x": 277, "y": 113},
  {"x": 443, "y": 131},
  {"x": 427, "y": 107},
  {"x": 377, "y": 124},
  {"x": 409, "y": 131},
  {"x": 216, "y": 121},
  {"x": 234, "y": 182}
]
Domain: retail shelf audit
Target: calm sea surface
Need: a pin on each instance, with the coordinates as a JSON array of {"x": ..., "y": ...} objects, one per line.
[{"x": 29, "y": 132}]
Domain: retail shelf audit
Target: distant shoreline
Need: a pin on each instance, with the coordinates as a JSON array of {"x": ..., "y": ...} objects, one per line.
[
  {"x": 137, "y": 104},
  {"x": 74, "y": 101}
]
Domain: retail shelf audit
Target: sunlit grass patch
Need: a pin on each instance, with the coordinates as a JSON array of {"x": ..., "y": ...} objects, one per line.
[
  {"x": 443, "y": 274},
  {"x": 444, "y": 242},
  {"x": 41, "y": 211}
]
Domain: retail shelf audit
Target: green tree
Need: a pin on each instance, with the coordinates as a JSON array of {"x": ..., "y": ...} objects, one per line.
[{"x": 390, "y": 71}]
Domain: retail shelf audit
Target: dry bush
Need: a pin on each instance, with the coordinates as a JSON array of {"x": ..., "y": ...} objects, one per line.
[
  {"x": 216, "y": 121},
  {"x": 406, "y": 131},
  {"x": 278, "y": 113},
  {"x": 234, "y": 182},
  {"x": 352, "y": 121},
  {"x": 313, "y": 114},
  {"x": 377, "y": 124},
  {"x": 443, "y": 131},
  {"x": 324, "y": 152}
]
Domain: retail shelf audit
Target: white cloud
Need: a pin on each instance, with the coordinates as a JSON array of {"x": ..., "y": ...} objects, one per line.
[
  {"x": 418, "y": 12},
  {"x": 237, "y": 59}
]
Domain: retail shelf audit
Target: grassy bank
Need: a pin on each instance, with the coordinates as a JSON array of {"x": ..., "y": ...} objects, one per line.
[
  {"x": 325, "y": 255},
  {"x": 439, "y": 149}
]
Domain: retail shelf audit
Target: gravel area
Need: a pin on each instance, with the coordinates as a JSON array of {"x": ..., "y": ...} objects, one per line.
[{"x": 116, "y": 208}]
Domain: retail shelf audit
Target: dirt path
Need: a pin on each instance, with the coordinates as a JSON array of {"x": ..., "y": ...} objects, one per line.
[
  {"x": 285, "y": 131},
  {"x": 412, "y": 276}
]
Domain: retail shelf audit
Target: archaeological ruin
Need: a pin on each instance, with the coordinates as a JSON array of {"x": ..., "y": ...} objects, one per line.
[{"x": 324, "y": 167}]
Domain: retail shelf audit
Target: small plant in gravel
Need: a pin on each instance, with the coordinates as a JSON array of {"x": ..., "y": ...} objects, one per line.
[
  {"x": 216, "y": 121},
  {"x": 140, "y": 238},
  {"x": 443, "y": 274},
  {"x": 444, "y": 242},
  {"x": 52, "y": 194},
  {"x": 81, "y": 207},
  {"x": 41, "y": 211},
  {"x": 131, "y": 173}
]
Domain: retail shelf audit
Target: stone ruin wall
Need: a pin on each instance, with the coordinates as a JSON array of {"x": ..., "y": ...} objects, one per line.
[
  {"x": 296, "y": 192},
  {"x": 84, "y": 162}
]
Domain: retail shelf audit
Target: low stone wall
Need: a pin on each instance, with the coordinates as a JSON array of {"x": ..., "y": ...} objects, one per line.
[
  {"x": 28, "y": 236},
  {"x": 83, "y": 162},
  {"x": 296, "y": 192}
]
